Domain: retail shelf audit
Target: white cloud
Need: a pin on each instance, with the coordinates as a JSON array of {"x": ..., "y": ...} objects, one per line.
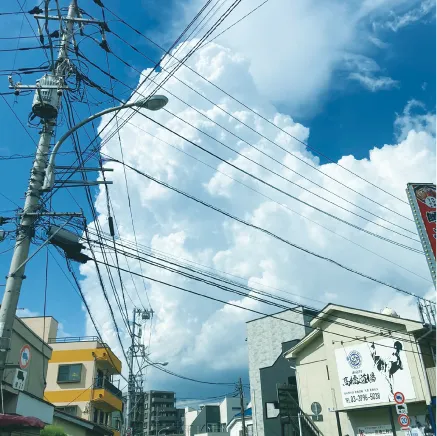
[
  {"x": 412, "y": 15},
  {"x": 375, "y": 83},
  {"x": 294, "y": 48},
  {"x": 204, "y": 338},
  {"x": 24, "y": 312}
]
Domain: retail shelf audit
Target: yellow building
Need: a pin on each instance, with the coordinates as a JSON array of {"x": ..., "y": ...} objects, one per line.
[{"x": 80, "y": 377}]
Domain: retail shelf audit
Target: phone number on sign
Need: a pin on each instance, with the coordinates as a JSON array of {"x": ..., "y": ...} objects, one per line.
[{"x": 362, "y": 397}]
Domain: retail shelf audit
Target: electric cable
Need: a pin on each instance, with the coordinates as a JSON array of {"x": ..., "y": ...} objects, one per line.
[
  {"x": 255, "y": 112},
  {"x": 261, "y": 313},
  {"x": 265, "y": 231}
]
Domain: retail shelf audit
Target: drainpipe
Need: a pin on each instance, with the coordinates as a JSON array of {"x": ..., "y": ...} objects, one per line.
[{"x": 428, "y": 387}]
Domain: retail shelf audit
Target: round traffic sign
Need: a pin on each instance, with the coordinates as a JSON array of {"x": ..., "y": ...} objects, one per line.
[
  {"x": 404, "y": 420},
  {"x": 24, "y": 356},
  {"x": 399, "y": 398}
]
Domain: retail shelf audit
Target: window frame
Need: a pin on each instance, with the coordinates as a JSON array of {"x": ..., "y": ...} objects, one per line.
[{"x": 69, "y": 365}]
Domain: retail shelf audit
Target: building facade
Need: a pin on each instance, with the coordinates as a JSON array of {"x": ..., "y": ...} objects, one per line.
[
  {"x": 354, "y": 361},
  {"x": 212, "y": 418},
  {"x": 160, "y": 413},
  {"x": 265, "y": 337},
  {"x": 235, "y": 426},
  {"x": 24, "y": 377},
  {"x": 80, "y": 378}
]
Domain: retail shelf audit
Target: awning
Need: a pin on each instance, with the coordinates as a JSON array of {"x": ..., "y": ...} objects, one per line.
[{"x": 17, "y": 421}]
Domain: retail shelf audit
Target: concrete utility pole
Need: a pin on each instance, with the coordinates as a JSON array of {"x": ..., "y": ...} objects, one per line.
[
  {"x": 45, "y": 104},
  {"x": 243, "y": 419}
]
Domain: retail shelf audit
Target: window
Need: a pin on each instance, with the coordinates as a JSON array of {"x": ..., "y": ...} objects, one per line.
[
  {"x": 95, "y": 415},
  {"x": 71, "y": 410},
  {"x": 69, "y": 373},
  {"x": 101, "y": 417}
]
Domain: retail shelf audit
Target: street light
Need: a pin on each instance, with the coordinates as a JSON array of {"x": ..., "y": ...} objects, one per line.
[
  {"x": 165, "y": 428},
  {"x": 153, "y": 103}
]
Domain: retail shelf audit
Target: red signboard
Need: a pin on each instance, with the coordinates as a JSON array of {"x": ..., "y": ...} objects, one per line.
[{"x": 426, "y": 202}]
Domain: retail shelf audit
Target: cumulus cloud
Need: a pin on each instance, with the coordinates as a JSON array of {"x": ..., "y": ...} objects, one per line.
[
  {"x": 204, "y": 338},
  {"x": 295, "y": 48}
]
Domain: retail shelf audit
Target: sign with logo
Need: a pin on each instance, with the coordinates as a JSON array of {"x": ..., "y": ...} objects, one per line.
[
  {"x": 404, "y": 421},
  {"x": 371, "y": 373},
  {"x": 374, "y": 430},
  {"x": 399, "y": 398},
  {"x": 24, "y": 356},
  {"x": 401, "y": 409},
  {"x": 422, "y": 198},
  {"x": 19, "y": 379}
]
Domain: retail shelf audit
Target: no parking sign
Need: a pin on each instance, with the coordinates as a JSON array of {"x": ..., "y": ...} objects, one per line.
[{"x": 24, "y": 356}]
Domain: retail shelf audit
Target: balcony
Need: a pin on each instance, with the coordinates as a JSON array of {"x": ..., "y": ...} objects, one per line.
[
  {"x": 162, "y": 400},
  {"x": 104, "y": 391},
  {"x": 104, "y": 383}
]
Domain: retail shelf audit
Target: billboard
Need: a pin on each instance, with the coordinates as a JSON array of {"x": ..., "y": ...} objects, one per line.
[
  {"x": 422, "y": 198},
  {"x": 371, "y": 372}
]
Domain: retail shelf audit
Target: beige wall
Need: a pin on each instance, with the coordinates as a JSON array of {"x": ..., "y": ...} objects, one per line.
[
  {"x": 318, "y": 378},
  {"x": 45, "y": 330},
  {"x": 40, "y": 354},
  {"x": 87, "y": 376},
  {"x": 70, "y": 428}
]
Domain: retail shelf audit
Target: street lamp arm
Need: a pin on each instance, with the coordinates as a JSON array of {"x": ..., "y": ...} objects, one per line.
[{"x": 153, "y": 103}]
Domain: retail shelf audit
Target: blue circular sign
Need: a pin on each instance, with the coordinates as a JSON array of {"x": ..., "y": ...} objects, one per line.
[{"x": 354, "y": 359}]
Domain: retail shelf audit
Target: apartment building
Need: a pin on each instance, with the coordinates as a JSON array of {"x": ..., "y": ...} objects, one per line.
[
  {"x": 80, "y": 377},
  {"x": 160, "y": 413}
]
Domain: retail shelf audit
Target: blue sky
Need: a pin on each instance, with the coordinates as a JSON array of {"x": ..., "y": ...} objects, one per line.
[{"x": 344, "y": 117}]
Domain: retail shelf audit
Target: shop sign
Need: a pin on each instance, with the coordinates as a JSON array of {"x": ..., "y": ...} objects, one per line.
[
  {"x": 371, "y": 373},
  {"x": 375, "y": 430}
]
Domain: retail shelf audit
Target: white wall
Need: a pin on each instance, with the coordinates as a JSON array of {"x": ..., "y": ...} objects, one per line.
[
  {"x": 190, "y": 416},
  {"x": 229, "y": 407},
  {"x": 237, "y": 425}
]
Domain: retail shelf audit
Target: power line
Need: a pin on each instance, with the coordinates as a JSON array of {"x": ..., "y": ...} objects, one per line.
[
  {"x": 251, "y": 291},
  {"x": 266, "y": 314},
  {"x": 278, "y": 203},
  {"x": 251, "y": 145},
  {"x": 267, "y": 232},
  {"x": 232, "y": 25},
  {"x": 264, "y": 118}
]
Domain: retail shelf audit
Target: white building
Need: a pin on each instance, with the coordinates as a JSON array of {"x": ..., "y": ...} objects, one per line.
[
  {"x": 211, "y": 418},
  {"x": 235, "y": 426},
  {"x": 352, "y": 364}
]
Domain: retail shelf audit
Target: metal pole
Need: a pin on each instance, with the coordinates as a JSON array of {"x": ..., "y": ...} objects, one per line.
[
  {"x": 131, "y": 379},
  {"x": 337, "y": 417},
  {"x": 428, "y": 394},
  {"x": 300, "y": 423},
  {"x": 31, "y": 205},
  {"x": 243, "y": 419},
  {"x": 392, "y": 421}
]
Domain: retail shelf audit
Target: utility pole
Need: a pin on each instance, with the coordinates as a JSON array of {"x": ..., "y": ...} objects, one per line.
[
  {"x": 46, "y": 104},
  {"x": 135, "y": 390},
  {"x": 243, "y": 419}
]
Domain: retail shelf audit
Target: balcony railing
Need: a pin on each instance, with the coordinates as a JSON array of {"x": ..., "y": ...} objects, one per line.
[
  {"x": 74, "y": 339},
  {"x": 104, "y": 383}
]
